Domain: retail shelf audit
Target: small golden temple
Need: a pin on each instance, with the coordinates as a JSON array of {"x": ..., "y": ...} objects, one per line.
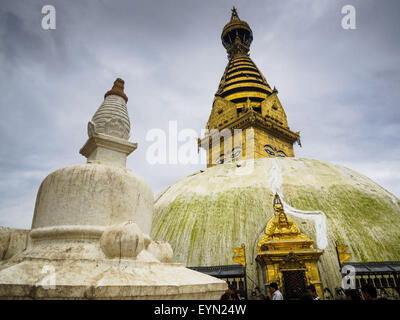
[
  {"x": 244, "y": 100},
  {"x": 287, "y": 256}
]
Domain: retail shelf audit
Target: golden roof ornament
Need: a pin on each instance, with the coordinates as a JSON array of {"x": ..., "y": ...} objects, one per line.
[
  {"x": 235, "y": 15},
  {"x": 281, "y": 226},
  {"x": 236, "y": 36},
  {"x": 277, "y": 203}
]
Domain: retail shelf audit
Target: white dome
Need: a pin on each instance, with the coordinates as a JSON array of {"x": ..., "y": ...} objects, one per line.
[
  {"x": 93, "y": 195},
  {"x": 204, "y": 215}
]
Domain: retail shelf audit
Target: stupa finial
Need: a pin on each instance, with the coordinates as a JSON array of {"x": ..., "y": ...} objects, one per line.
[
  {"x": 109, "y": 129},
  {"x": 236, "y": 36},
  {"x": 235, "y": 15},
  {"x": 111, "y": 118},
  {"x": 277, "y": 203},
  {"x": 118, "y": 89}
]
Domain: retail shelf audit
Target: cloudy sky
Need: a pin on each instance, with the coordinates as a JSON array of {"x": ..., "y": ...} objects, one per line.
[{"x": 340, "y": 88}]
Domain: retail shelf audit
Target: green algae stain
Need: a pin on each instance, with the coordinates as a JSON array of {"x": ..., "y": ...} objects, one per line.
[
  {"x": 363, "y": 218},
  {"x": 203, "y": 228}
]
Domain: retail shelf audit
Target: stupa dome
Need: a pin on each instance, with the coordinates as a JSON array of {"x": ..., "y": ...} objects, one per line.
[
  {"x": 207, "y": 214},
  {"x": 93, "y": 195}
]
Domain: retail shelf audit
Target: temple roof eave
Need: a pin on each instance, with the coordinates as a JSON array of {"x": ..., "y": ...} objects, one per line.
[
  {"x": 252, "y": 118},
  {"x": 283, "y": 253}
]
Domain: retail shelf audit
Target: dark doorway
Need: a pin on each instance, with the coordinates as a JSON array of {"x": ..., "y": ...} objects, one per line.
[{"x": 294, "y": 283}]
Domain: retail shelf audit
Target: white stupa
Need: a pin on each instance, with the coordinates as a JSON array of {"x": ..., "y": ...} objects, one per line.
[{"x": 89, "y": 237}]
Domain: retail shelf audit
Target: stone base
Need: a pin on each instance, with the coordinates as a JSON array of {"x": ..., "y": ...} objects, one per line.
[{"x": 24, "y": 278}]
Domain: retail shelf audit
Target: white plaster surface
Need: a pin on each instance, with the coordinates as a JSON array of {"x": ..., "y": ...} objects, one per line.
[
  {"x": 93, "y": 195},
  {"x": 90, "y": 231}
]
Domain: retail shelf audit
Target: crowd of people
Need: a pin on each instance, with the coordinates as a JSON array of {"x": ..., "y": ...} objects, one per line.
[
  {"x": 368, "y": 292},
  {"x": 232, "y": 294}
]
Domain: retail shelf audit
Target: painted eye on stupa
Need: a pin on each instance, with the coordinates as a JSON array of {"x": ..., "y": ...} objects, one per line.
[
  {"x": 221, "y": 159},
  {"x": 236, "y": 152},
  {"x": 280, "y": 153},
  {"x": 269, "y": 149}
]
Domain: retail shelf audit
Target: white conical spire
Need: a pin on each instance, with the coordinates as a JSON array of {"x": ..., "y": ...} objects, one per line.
[
  {"x": 109, "y": 130},
  {"x": 111, "y": 118}
]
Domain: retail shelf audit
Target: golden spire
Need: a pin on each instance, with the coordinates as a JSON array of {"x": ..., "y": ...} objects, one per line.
[
  {"x": 242, "y": 81},
  {"x": 245, "y": 100},
  {"x": 277, "y": 203},
  {"x": 235, "y": 15}
]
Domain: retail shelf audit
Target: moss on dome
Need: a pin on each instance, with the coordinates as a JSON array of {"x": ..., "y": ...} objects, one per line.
[{"x": 205, "y": 215}]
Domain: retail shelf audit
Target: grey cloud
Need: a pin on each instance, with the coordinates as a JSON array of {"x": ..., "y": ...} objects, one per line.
[{"x": 338, "y": 87}]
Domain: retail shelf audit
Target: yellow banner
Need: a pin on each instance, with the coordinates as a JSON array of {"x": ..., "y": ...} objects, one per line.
[
  {"x": 342, "y": 249},
  {"x": 239, "y": 251},
  {"x": 344, "y": 257},
  {"x": 240, "y": 260}
]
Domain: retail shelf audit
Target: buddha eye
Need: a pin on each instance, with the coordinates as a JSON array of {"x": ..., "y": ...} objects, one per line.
[
  {"x": 221, "y": 159},
  {"x": 280, "y": 153},
  {"x": 270, "y": 152},
  {"x": 236, "y": 151},
  {"x": 269, "y": 149}
]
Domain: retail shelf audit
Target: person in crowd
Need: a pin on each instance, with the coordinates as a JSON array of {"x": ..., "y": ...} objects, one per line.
[
  {"x": 369, "y": 292},
  {"x": 312, "y": 292},
  {"x": 275, "y": 293},
  {"x": 238, "y": 296},
  {"x": 230, "y": 290},
  {"x": 352, "y": 294},
  {"x": 229, "y": 294}
]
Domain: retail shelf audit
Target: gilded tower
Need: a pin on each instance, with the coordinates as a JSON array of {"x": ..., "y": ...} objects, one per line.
[{"x": 244, "y": 100}]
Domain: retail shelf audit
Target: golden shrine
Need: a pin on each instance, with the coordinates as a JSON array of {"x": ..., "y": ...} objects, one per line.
[
  {"x": 287, "y": 256},
  {"x": 245, "y": 100}
]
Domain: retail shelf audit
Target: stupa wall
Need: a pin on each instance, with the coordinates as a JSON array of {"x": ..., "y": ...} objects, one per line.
[{"x": 12, "y": 241}]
